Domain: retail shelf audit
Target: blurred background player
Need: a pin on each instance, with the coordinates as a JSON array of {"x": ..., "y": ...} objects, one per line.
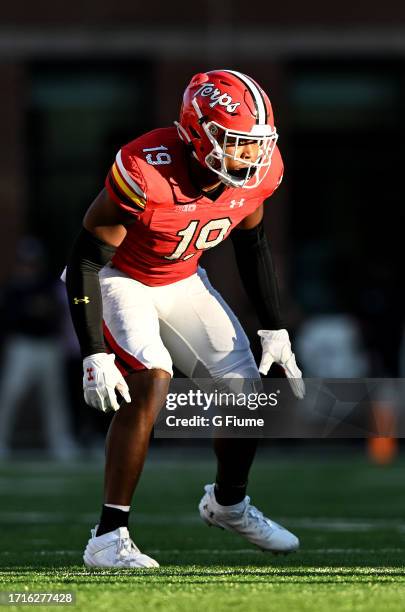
[
  {"x": 32, "y": 317},
  {"x": 140, "y": 303}
]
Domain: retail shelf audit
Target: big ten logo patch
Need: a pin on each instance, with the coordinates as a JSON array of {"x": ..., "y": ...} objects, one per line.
[{"x": 186, "y": 208}]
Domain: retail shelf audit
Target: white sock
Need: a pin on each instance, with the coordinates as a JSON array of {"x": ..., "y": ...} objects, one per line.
[{"x": 123, "y": 508}]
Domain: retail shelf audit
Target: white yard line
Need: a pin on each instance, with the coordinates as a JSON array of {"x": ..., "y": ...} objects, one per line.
[
  {"x": 214, "y": 551},
  {"x": 250, "y": 551},
  {"x": 318, "y": 523},
  {"x": 343, "y": 524}
]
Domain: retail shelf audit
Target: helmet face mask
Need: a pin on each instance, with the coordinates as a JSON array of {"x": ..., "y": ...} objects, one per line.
[
  {"x": 225, "y": 146},
  {"x": 223, "y": 111}
]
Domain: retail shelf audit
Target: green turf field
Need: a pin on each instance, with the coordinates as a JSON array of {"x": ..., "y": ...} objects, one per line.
[{"x": 349, "y": 515}]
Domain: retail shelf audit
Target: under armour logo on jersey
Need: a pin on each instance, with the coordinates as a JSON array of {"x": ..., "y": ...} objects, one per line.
[
  {"x": 237, "y": 203},
  {"x": 84, "y": 299},
  {"x": 90, "y": 374},
  {"x": 217, "y": 97}
]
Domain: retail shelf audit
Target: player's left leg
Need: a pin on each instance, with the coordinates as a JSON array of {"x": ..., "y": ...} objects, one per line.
[{"x": 205, "y": 339}]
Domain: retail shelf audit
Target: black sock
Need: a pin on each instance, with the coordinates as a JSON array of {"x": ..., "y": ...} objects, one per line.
[
  {"x": 111, "y": 519},
  {"x": 228, "y": 495},
  {"x": 234, "y": 459}
]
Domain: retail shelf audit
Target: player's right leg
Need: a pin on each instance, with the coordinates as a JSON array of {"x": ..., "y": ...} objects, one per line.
[
  {"x": 126, "y": 449},
  {"x": 131, "y": 329}
]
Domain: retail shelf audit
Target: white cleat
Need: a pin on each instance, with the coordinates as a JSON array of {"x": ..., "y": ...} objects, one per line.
[
  {"x": 115, "y": 549},
  {"x": 247, "y": 521}
]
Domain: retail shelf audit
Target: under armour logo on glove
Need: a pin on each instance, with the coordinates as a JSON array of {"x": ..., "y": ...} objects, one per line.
[
  {"x": 276, "y": 347},
  {"x": 101, "y": 378}
]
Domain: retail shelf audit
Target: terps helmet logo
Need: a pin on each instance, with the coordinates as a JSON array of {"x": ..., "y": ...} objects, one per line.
[{"x": 208, "y": 90}]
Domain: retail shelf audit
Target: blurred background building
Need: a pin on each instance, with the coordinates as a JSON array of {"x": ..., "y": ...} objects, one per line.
[{"x": 80, "y": 79}]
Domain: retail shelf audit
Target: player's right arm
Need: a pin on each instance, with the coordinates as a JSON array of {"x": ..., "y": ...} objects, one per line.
[{"x": 103, "y": 230}]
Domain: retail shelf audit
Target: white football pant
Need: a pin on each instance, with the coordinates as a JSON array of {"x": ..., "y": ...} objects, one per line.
[{"x": 186, "y": 323}]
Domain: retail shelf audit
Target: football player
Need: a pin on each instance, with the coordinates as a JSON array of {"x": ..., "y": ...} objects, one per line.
[{"x": 140, "y": 302}]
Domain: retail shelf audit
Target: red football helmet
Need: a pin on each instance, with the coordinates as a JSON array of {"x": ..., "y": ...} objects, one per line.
[{"x": 221, "y": 109}]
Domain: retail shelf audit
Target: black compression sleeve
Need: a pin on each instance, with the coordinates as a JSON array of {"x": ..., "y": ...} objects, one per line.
[
  {"x": 258, "y": 275},
  {"x": 87, "y": 257}
]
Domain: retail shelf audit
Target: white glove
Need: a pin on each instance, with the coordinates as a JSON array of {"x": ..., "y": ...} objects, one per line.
[
  {"x": 100, "y": 379},
  {"x": 276, "y": 348}
]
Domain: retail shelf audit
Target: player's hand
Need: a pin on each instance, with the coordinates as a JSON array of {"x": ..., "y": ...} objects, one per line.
[
  {"x": 100, "y": 379},
  {"x": 276, "y": 348}
]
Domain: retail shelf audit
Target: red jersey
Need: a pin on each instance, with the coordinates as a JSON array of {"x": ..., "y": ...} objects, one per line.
[{"x": 174, "y": 222}]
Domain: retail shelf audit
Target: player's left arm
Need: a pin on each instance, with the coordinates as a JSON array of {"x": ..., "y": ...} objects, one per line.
[{"x": 257, "y": 271}]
